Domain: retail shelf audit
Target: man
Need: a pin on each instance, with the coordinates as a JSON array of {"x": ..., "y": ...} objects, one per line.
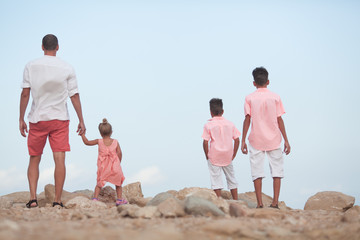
[{"x": 51, "y": 81}]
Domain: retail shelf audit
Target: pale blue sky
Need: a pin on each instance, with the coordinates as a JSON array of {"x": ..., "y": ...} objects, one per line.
[{"x": 150, "y": 68}]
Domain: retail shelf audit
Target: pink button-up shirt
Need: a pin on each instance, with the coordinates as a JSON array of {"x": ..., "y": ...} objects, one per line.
[
  {"x": 264, "y": 107},
  {"x": 221, "y": 133}
]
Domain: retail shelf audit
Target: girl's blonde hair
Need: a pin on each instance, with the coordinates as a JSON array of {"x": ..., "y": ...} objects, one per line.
[{"x": 105, "y": 128}]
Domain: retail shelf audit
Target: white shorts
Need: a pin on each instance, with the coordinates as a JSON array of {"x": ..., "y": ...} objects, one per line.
[
  {"x": 216, "y": 176},
  {"x": 276, "y": 162}
]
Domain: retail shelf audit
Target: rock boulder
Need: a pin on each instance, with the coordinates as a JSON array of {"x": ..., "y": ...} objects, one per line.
[{"x": 330, "y": 201}]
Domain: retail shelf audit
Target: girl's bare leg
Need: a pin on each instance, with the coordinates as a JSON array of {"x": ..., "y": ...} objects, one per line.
[
  {"x": 119, "y": 192},
  {"x": 97, "y": 191}
]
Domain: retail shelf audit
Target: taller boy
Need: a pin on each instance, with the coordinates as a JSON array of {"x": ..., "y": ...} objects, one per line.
[{"x": 263, "y": 109}]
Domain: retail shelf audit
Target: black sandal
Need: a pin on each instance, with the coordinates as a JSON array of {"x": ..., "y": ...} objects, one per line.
[
  {"x": 58, "y": 204},
  {"x": 276, "y": 206},
  {"x": 28, "y": 205}
]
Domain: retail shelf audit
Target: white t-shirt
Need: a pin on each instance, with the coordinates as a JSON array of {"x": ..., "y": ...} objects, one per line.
[{"x": 51, "y": 82}]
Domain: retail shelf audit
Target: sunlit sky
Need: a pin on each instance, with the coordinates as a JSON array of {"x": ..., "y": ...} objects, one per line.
[{"x": 151, "y": 67}]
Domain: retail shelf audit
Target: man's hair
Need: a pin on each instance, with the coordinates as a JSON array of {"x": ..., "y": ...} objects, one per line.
[
  {"x": 260, "y": 75},
  {"x": 105, "y": 128},
  {"x": 216, "y": 106},
  {"x": 50, "y": 42}
]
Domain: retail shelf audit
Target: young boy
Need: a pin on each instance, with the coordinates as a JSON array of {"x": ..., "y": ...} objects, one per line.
[
  {"x": 221, "y": 133},
  {"x": 264, "y": 109}
]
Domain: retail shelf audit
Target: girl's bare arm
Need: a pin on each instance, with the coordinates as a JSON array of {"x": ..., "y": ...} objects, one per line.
[
  {"x": 88, "y": 142},
  {"x": 118, "y": 152}
]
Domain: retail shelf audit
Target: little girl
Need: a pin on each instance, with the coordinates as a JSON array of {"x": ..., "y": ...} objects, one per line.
[{"x": 108, "y": 163}]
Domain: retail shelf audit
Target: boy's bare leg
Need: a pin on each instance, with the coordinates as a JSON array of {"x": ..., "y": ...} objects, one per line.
[
  {"x": 234, "y": 193},
  {"x": 217, "y": 192},
  {"x": 97, "y": 191},
  {"x": 276, "y": 185},
  {"x": 258, "y": 193},
  {"x": 119, "y": 192},
  {"x": 33, "y": 176},
  {"x": 59, "y": 174}
]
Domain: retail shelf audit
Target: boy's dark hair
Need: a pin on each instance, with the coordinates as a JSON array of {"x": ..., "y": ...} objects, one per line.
[
  {"x": 50, "y": 42},
  {"x": 260, "y": 75},
  {"x": 216, "y": 106}
]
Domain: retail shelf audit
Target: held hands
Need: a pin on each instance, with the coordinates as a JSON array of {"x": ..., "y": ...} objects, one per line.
[
  {"x": 23, "y": 128},
  {"x": 81, "y": 129}
]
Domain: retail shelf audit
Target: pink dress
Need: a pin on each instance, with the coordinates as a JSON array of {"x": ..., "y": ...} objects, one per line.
[{"x": 109, "y": 169}]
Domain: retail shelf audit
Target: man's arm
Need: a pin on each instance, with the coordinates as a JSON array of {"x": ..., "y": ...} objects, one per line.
[
  {"x": 246, "y": 126},
  {"x": 281, "y": 124},
  {"x": 24, "y": 100},
  {"x": 236, "y": 147},
  {"x": 75, "y": 100},
  {"x": 206, "y": 148}
]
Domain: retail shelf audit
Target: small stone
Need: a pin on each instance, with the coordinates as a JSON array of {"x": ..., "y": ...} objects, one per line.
[
  {"x": 237, "y": 210},
  {"x": 171, "y": 207},
  {"x": 201, "y": 207},
  {"x": 159, "y": 198},
  {"x": 147, "y": 212}
]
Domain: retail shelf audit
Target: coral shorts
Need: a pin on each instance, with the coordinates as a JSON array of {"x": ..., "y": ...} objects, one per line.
[{"x": 56, "y": 130}]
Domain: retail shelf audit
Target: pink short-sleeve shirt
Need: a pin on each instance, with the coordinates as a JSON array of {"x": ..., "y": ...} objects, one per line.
[
  {"x": 221, "y": 133},
  {"x": 264, "y": 107}
]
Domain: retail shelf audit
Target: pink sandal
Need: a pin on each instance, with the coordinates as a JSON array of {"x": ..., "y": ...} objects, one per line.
[{"x": 121, "y": 202}]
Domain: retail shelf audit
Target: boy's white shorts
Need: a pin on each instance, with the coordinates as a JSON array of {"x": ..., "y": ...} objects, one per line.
[
  {"x": 276, "y": 162},
  {"x": 217, "y": 179}
]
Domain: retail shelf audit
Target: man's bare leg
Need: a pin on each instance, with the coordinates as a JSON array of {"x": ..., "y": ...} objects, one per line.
[
  {"x": 258, "y": 193},
  {"x": 59, "y": 174},
  {"x": 33, "y": 176}
]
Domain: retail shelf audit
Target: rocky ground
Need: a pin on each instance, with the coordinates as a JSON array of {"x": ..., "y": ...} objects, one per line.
[{"x": 190, "y": 213}]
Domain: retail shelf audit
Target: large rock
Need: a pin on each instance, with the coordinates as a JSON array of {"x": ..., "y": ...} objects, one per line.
[
  {"x": 134, "y": 211},
  {"x": 238, "y": 209},
  {"x": 49, "y": 191},
  {"x": 141, "y": 202},
  {"x": 330, "y": 201},
  {"x": 132, "y": 190},
  {"x": 171, "y": 207},
  {"x": 206, "y": 194},
  {"x": 147, "y": 212},
  {"x": 250, "y": 199},
  {"x": 128, "y": 210},
  {"x": 159, "y": 198},
  {"x": 84, "y": 203},
  {"x": 88, "y": 193},
  {"x": 107, "y": 194},
  {"x": 352, "y": 215},
  {"x": 20, "y": 199},
  {"x": 201, "y": 207},
  {"x": 185, "y": 192}
]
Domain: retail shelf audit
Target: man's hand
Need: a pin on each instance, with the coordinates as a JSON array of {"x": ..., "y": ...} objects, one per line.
[
  {"x": 23, "y": 128},
  {"x": 81, "y": 128},
  {"x": 244, "y": 147}
]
